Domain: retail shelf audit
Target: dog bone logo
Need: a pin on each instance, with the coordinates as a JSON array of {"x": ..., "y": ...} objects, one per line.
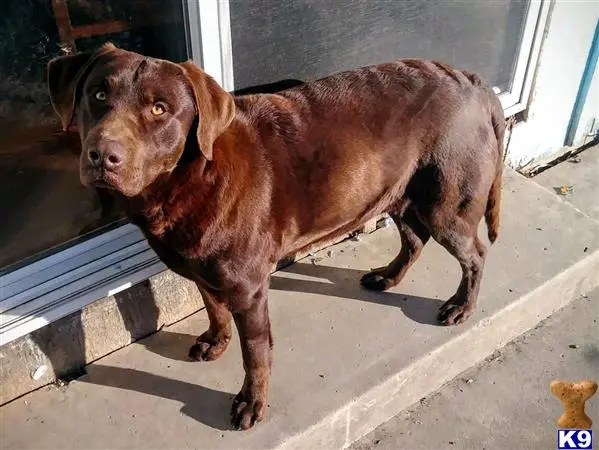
[{"x": 573, "y": 396}]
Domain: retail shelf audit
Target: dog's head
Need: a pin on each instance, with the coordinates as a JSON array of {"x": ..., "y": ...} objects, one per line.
[{"x": 134, "y": 114}]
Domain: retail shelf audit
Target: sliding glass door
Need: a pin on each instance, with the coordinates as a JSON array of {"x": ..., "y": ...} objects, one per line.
[
  {"x": 42, "y": 202},
  {"x": 307, "y": 39},
  {"x": 62, "y": 245}
]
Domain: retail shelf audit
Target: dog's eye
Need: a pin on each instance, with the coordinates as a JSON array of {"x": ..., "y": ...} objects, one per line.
[
  {"x": 100, "y": 96},
  {"x": 158, "y": 109}
]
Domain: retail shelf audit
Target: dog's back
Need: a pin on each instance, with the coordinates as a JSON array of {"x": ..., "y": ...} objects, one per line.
[{"x": 347, "y": 147}]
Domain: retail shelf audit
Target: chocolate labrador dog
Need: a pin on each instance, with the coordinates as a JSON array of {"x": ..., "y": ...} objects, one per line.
[{"x": 223, "y": 187}]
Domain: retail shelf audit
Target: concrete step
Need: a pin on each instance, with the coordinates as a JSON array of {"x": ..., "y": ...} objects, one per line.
[
  {"x": 505, "y": 401},
  {"x": 346, "y": 360},
  {"x": 579, "y": 176}
]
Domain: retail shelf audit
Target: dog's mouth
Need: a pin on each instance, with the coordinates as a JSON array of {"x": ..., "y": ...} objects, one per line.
[
  {"x": 106, "y": 180},
  {"x": 109, "y": 181},
  {"x": 99, "y": 178},
  {"x": 102, "y": 183}
]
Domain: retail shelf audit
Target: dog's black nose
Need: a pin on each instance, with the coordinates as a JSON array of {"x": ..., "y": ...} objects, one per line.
[
  {"x": 94, "y": 157},
  {"x": 109, "y": 154}
]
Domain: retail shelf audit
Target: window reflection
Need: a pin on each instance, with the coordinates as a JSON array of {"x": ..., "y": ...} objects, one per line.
[
  {"x": 42, "y": 204},
  {"x": 306, "y": 39}
]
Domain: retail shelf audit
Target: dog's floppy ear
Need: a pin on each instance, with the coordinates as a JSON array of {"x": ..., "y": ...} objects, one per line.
[
  {"x": 214, "y": 105},
  {"x": 65, "y": 75}
]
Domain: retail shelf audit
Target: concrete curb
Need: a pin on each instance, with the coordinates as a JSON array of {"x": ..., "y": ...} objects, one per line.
[
  {"x": 61, "y": 349},
  {"x": 383, "y": 401}
]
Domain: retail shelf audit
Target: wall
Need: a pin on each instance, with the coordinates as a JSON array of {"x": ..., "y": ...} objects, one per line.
[
  {"x": 589, "y": 119},
  {"x": 561, "y": 64}
]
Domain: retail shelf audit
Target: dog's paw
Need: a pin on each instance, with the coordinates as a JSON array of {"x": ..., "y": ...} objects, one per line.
[
  {"x": 454, "y": 312},
  {"x": 246, "y": 411},
  {"x": 375, "y": 281},
  {"x": 208, "y": 348}
]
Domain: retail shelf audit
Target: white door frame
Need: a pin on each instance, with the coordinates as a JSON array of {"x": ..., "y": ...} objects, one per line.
[{"x": 516, "y": 99}]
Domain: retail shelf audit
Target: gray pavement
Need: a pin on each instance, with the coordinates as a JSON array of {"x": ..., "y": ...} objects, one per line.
[
  {"x": 505, "y": 402},
  {"x": 580, "y": 177}
]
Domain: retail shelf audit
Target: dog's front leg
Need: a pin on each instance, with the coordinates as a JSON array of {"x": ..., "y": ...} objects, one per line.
[
  {"x": 211, "y": 345},
  {"x": 253, "y": 325}
]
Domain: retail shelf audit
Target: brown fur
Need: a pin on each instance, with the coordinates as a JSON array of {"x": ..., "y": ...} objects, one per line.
[{"x": 223, "y": 187}]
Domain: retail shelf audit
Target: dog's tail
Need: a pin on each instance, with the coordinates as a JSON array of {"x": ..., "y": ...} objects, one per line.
[
  {"x": 494, "y": 199},
  {"x": 493, "y": 204}
]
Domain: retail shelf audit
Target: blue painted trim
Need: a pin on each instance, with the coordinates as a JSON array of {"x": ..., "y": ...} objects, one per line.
[{"x": 583, "y": 89}]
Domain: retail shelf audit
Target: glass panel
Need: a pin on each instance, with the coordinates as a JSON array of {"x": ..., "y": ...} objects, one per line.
[
  {"x": 304, "y": 39},
  {"x": 42, "y": 203}
]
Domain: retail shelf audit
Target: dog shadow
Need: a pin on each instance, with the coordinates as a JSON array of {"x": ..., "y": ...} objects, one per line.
[
  {"x": 336, "y": 282},
  {"x": 345, "y": 283},
  {"x": 170, "y": 344},
  {"x": 209, "y": 406},
  {"x": 202, "y": 404}
]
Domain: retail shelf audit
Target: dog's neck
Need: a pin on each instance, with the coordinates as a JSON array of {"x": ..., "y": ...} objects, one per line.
[
  {"x": 197, "y": 194},
  {"x": 161, "y": 206}
]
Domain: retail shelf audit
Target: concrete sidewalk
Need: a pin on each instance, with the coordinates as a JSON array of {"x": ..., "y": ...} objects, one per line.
[
  {"x": 505, "y": 402},
  {"x": 580, "y": 176},
  {"x": 346, "y": 360}
]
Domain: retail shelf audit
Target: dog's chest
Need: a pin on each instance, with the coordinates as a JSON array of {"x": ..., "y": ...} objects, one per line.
[
  {"x": 180, "y": 247},
  {"x": 206, "y": 271}
]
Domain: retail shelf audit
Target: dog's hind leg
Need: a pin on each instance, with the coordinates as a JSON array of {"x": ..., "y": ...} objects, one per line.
[
  {"x": 461, "y": 241},
  {"x": 414, "y": 235}
]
